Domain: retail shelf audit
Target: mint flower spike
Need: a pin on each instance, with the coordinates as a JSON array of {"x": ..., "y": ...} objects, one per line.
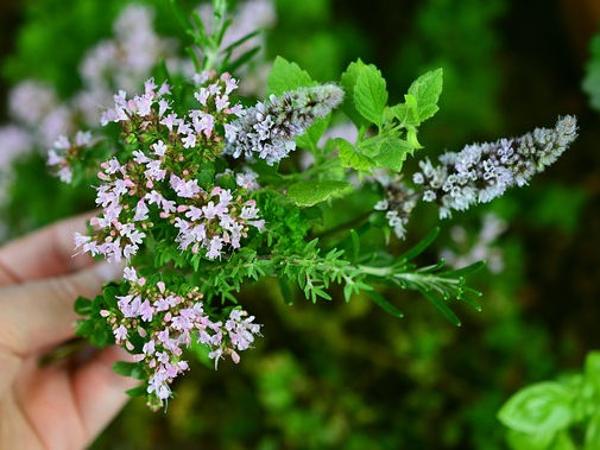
[
  {"x": 268, "y": 129},
  {"x": 480, "y": 173}
]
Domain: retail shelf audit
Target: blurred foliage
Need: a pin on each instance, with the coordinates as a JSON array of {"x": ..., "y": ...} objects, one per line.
[
  {"x": 73, "y": 27},
  {"x": 554, "y": 415},
  {"x": 591, "y": 82},
  {"x": 336, "y": 376}
]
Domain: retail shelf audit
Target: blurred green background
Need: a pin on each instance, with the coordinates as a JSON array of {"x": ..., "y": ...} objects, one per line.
[{"x": 337, "y": 376}]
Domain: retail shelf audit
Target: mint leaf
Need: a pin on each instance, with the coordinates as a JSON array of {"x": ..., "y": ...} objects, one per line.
[
  {"x": 348, "y": 81},
  {"x": 392, "y": 153},
  {"x": 541, "y": 408},
  {"x": 427, "y": 90},
  {"x": 407, "y": 113},
  {"x": 420, "y": 103},
  {"x": 350, "y": 157},
  {"x": 287, "y": 76},
  {"x": 370, "y": 94},
  {"x": 310, "y": 193}
]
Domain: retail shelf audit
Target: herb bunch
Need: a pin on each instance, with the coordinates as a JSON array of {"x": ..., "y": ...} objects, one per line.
[{"x": 203, "y": 191}]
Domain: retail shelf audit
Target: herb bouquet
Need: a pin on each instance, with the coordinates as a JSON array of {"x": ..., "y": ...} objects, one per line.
[{"x": 203, "y": 191}]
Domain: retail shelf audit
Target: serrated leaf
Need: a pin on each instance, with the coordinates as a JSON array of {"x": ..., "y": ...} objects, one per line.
[
  {"x": 427, "y": 90},
  {"x": 310, "y": 193},
  {"x": 370, "y": 94},
  {"x": 371, "y": 146},
  {"x": 406, "y": 113},
  {"x": 393, "y": 153},
  {"x": 348, "y": 82},
  {"x": 287, "y": 76},
  {"x": 540, "y": 408},
  {"x": 350, "y": 157}
]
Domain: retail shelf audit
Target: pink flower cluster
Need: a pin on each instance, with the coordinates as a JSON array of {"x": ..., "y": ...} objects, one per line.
[
  {"x": 161, "y": 179},
  {"x": 181, "y": 319},
  {"x": 64, "y": 152},
  {"x": 220, "y": 221}
]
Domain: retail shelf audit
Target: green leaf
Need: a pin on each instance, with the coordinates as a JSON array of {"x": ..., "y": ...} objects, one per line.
[
  {"x": 522, "y": 441},
  {"x": 592, "y": 366},
  {"x": 129, "y": 369},
  {"x": 201, "y": 352},
  {"x": 370, "y": 94},
  {"x": 83, "y": 306},
  {"x": 286, "y": 76},
  {"x": 440, "y": 305},
  {"x": 406, "y": 113},
  {"x": 348, "y": 82},
  {"x": 138, "y": 391},
  {"x": 541, "y": 408},
  {"x": 392, "y": 153},
  {"x": 384, "y": 304},
  {"x": 563, "y": 441},
  {"x": 427, "y": 90},
  {"x": 309, "y": 193},
  {"x": 350, "y": 157},
  {"x": 592, "y": 433},
  {"x": 420, "y": 103}
]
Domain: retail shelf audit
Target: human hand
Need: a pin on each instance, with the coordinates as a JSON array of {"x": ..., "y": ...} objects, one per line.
[{"x": 56, "y": 407}]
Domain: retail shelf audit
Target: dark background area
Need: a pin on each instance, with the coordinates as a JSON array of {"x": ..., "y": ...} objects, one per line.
[{"x": 10, "y": 17}]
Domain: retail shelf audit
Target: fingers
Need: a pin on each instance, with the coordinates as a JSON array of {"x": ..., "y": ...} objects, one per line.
[
  {"x": 44, "y": 253},
  {"x": 40, "y": 314},
  {"x": 99, "y": 391}
]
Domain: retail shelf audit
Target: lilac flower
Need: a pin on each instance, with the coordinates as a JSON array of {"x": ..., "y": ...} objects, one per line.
[
  {"x": 64, "y": 152},
  {"x": 482, "y": 172},
  {"x": 247, "y": 180},
  {"x": 30, "y": 101},
  {"x": 398, "y": 205},
  {"x": 268, "y": 130},
  {"x": 241, "y": 329},
  {"x": 14, "y": 141},
  {"x": 185, "y": 189},
  {"x": 120, "y": 333},
  {"x": 181, "y": 319}
]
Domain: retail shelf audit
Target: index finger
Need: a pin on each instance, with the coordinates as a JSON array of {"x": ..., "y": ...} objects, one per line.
[{"x": 44, "y": 253}]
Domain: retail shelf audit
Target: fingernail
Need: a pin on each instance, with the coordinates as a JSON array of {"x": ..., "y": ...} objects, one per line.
[{"x": 108, "y": 271}]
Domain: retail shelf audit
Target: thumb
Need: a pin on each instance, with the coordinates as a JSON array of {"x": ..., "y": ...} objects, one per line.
[{"x": 40, "y": 314}]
